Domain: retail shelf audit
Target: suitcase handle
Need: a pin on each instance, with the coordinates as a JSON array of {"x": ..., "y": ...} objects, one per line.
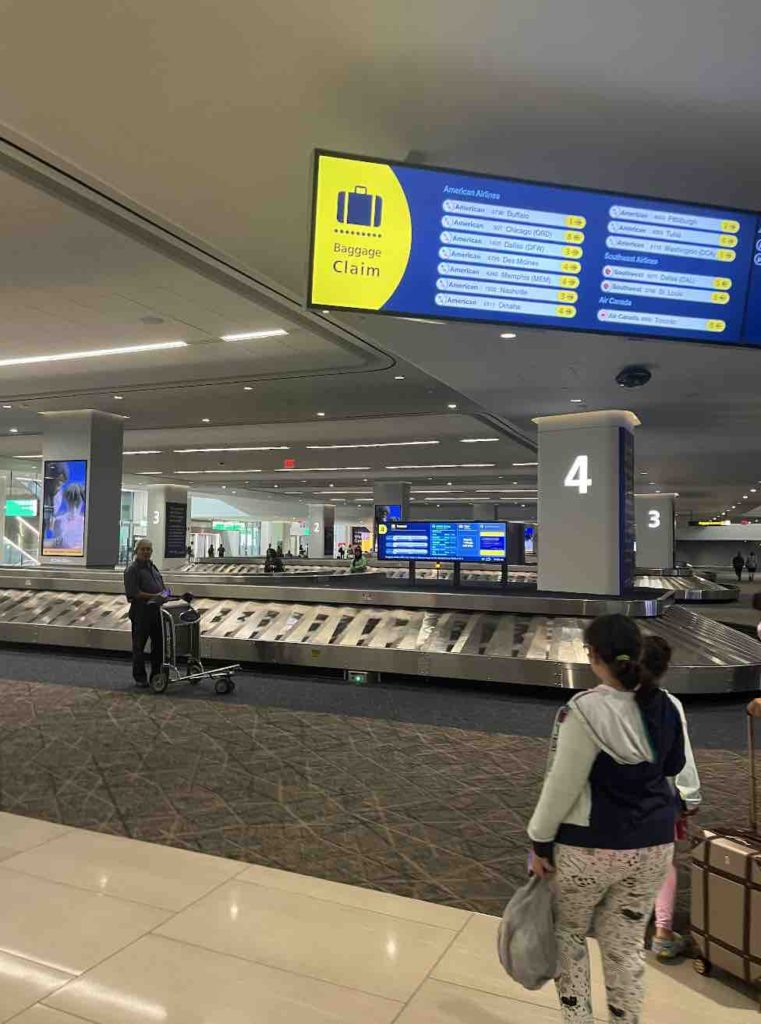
[
  {"x": 753, "y": 795},
  {"x": 360, "y": 190}
]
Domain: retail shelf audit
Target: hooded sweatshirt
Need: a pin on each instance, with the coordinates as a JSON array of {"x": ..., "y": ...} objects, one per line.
[{"x": 609, "y": 783}]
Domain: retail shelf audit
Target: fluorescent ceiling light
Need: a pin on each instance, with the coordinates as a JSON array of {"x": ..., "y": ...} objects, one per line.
[
  {"x": 276, "y": 332},
  {"x": 576, "y": 401},
  {"x": 14, "y": 430},
  {"x": 150, "y": 472},
  {"x": 376, "y": 444},
  {"x": 224, "y": 472},
  {"x": 26, "y": 456},
  {"x": 324, "y": 469},
  {"x": 525, "y": 463},
  {"x": 452, "y": 405},
  {"x": 258, "y": 448},
  {"x": 144, "y": 451},
  {"x": 95, "y": 353},
  {"x": 450, "y": 465},
  {"x": 506, "y": 490},
  {"x": 399, "y": 376},
  {"x": 477, "y": 440},
  {"x": 508, "y": 334}
]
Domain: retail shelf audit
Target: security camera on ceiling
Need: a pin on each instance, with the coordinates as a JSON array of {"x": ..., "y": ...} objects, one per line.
[{"x": 633, "y": 377}]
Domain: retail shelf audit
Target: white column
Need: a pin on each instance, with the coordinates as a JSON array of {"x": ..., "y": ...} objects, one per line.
[
  {"x": 168, "y": 524},
  {"x": 321, "y": 525},
  {"x": 586, "y": 502},
  {"x": 95, "y": 438},
  {"x": 654, "y": 530}
]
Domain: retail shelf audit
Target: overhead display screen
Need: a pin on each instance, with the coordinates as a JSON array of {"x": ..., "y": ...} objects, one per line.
[
  {"x": 443, "y": 542},
  {"x": 423, "y": 242}
]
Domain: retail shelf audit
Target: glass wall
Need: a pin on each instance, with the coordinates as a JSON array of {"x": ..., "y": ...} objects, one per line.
[{"x": 21, "y": 532}]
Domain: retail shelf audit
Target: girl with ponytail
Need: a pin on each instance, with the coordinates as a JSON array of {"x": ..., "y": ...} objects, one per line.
[{"x": 603, "y": 828}]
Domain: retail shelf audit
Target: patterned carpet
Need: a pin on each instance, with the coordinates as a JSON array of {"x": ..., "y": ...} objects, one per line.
[{"x": 420, "y": 810}]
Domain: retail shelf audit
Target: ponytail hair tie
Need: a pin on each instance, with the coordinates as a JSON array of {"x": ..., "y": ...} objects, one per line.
[{"x": 622, "y": 657}]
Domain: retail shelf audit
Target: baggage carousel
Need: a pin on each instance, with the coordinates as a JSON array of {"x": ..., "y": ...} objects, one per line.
[
  {"x": 685, "y": 585},
  {"x": 376, "y": 624}
]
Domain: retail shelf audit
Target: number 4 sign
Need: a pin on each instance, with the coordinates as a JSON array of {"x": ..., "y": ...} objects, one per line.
[{"x": 578, "y": 475}]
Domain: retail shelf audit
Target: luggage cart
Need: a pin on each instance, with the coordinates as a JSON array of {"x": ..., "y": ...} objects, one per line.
[{"x": 181, "y": 635}]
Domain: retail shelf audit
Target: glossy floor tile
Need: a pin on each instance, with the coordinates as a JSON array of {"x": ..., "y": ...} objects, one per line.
[
  {"x": 440, "y": 1003},
  {"x": 157, "y": 979},
  {"x": 144, "y": 872},
  {"x": 63, "y": 927},
  {"x": 372, "y": 952},
  {"x": 19, "y": 833},
  {"x": 353, "y": 896},
  {"x": 24, "y": 982},
  {"x": 264, "y": 945},
  {"x": 44, "y": 1015}
]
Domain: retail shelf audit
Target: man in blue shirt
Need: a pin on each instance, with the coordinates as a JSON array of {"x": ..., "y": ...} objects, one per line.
[{"x": 145, "y": 592}]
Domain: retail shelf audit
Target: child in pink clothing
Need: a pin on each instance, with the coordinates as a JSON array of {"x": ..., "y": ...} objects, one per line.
[{"x": 668, "y": 944}]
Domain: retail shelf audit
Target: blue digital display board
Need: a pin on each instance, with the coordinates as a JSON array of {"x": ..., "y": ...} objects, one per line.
[
  {"x": 424, "y": 242},
  {"x": 443, "y": 542}
]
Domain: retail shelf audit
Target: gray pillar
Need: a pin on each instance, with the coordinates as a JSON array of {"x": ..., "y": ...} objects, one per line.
[
  {"x": 654, "y": 530},
  {"x": 94, "y": 438},
  {"x": 483, "y": 512},
  {"x": 586, "y": 502},
  {"x": 168, "y": 524},
  {"x": 321, "y": 524}
]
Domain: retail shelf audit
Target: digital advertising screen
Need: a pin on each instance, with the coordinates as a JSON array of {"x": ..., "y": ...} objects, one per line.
[
  {"x": 443, "y": 542},
  {"x": 443, "y": 244},
  {"x": 64, "y": 507}
]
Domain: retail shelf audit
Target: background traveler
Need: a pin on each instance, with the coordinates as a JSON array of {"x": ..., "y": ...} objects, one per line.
[
  {"x": 359, "y": 561},
  {"x": 738, "y": 564},
  {"x": 211, "y": 550},
  {"x": 221, "y": 550},
  {"x": 751, "y": 564},
  {"x": 604, "y": 823},
  {"x": 145, "y": 592}
]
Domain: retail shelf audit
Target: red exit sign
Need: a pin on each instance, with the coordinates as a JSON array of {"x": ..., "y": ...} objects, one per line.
[{"x": 289, "y": 463}]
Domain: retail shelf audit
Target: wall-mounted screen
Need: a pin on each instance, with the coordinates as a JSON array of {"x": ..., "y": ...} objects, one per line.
[
  {"x": 64, "y": 507},
  {"x": 443, "y": 542},
  {"x": 448, "y": 245}
]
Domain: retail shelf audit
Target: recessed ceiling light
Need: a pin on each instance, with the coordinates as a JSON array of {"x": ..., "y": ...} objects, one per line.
[
  {"x": 375, "y": 444},
  {"x": 452, "y": 405},
  {"x": 576, "y": 401},
  {"x": 206, "y": 420},
  {"x": 7, "y": 406},
  {"x": 13, "y": 430},
  {"x": 276, "y": 485},
  {"x": 508, "y": 334},
  {"x": 399, "y": 376},
  {"x": 753, "y": 490},
  {"x": 745, "y": 496},
  {"x": 276, "y": 332},
  {"x": 477, "y": 440},
  {"x": 149, "y": 472},
  {"x": 247, "y": 387},
  {"x": 323, "y": 469},
  {"x": 258, "y": 448},
  {"x": 320, "y": 413},
  {"x": 95, "y": 353},
  {"x": 119, "y": 398},
  {"x": 450, "y": 465}
]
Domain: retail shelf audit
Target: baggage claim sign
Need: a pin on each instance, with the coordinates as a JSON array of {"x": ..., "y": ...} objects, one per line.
[{"x": 431, "y": 243}]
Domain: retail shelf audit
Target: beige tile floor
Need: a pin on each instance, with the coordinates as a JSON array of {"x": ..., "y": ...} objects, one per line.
[{"x": 112, "y": 931}]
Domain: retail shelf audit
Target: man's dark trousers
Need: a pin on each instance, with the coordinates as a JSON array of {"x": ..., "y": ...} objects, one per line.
[{"x": 146, "y": 624}]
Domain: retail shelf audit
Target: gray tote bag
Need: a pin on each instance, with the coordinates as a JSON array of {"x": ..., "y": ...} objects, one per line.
[{"x": 526, "y": 941}]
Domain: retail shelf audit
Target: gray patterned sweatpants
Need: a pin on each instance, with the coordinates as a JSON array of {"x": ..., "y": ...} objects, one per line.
[{"x": 613, "y": 891}]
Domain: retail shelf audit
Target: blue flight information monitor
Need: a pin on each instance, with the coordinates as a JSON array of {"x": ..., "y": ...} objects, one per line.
[
  {"x": 443, "y": 542},
  {"x": 426, "y": 242}
]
